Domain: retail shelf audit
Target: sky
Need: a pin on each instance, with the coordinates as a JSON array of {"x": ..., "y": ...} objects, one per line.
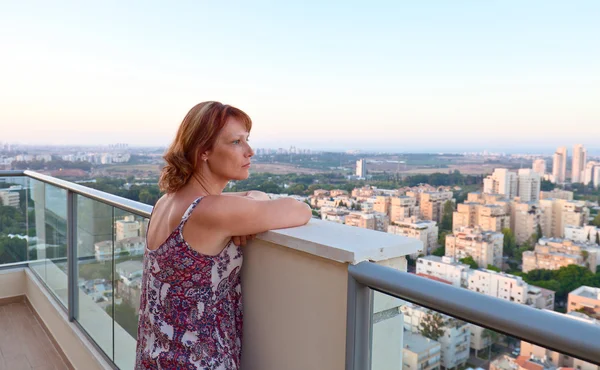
[{"x": 405, "y": 76}]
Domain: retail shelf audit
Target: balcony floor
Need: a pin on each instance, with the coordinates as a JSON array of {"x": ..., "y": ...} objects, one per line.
[{"x": 23, "y": 342}]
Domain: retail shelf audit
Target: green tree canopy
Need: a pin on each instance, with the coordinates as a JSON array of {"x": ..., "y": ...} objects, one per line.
[
  {"x": 447, "y": 216},
  {"x": 469, "y": 261},
  {"x": 432, "y": 325},
  {"x": 440, "y": 252}
]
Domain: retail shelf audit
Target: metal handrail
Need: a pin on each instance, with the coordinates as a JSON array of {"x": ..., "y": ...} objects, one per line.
[
  {"x": 125, "y": 204},
  {"x": 549, "y": 330}
]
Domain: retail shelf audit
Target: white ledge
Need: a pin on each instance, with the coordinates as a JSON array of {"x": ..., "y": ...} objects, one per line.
[{"x": 342, "y": 243}]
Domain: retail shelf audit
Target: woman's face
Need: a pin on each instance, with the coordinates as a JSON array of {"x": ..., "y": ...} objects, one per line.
[{"x": 230, "y": 156}]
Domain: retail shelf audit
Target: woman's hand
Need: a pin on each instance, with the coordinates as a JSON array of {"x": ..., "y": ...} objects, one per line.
[{"x": 242, "y": 240}]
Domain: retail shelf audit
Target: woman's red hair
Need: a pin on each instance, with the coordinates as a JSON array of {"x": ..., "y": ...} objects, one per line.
[{"x": 197, "y": 134}]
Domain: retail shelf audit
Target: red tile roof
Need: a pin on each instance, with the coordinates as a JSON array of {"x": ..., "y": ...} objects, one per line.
[
  {"x": 434, "y": 278},
  {"x": 523, "y": 362}
]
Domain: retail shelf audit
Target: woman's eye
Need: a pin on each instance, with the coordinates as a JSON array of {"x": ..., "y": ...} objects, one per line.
[{"x": 236, "y": 142}]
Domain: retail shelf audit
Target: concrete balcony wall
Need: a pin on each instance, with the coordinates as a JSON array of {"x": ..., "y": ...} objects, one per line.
[{"x": 295, "y": 285}]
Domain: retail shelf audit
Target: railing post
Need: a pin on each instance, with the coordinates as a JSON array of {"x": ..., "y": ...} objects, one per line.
[
  {"x": 359, "y": 326},
  {"x": 72, "y": 271}
]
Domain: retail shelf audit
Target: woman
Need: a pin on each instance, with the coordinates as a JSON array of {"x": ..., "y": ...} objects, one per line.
[{"x": 191, "y": 301}]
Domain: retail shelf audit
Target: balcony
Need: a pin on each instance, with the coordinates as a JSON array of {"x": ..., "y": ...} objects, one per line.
[{"x": 322, "y": 296}]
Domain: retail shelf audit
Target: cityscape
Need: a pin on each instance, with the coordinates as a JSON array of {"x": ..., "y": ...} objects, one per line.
[
  {"x": 448, "y": 151},
  {"x": 528, "y": 233}
]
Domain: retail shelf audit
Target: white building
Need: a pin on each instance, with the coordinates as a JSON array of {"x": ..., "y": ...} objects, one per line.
[
  {"x": 530, "y": 184},
  {"x": 582, "y": 234},
  {"x": 455, "y": 341},
  {"x": 445, "y": 268},
  {"x": 559, "y": 165},
  {"x": 127, "y": 228},
  {"x": 510, "y": 288},
  {"x": 502, "y": 181},
  {"x": 591, "y": 174},
  {"x": 424, "y": 230},
  {"x": 9, "y": 198},
  {"x": 579, "y": 161},
  {"x": 525, "y": 184},
  {"x": 420, "y": 352},
  {"x": 361, "y": 168},
  {"x": 539, "y": 167}
]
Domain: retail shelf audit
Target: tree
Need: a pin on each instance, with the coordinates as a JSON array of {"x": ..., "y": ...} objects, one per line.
[
  {"x": 540, "y": 233},
  {"x": 440, "y": 252},
  {"x": 598, "y": 238},
  {"x": 510, "y": 243},
  {"x": 493, "y": 268},
  {"x": 468, "y": 260},
  {"x": 442, "y": 238},
  {"x": 432, "y": 325},
  {"x": 596, "y": 221},
  {"x": 447, "y": 215}
]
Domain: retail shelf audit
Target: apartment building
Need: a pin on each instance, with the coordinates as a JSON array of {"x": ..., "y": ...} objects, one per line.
[
  {"x": 486, "y": 198},
  {"x": 529, "y": 185},
  {"x": 484, "y": 246},
  {"x": 591, "y": 174},
  {"x": 444, "y": 268},
  {"x": 501, "y": 181},
  {"x": 127, "y": 228},
  {"x": 525, "y": 219},
  {"x": 334, "y": 215},
  {"x": 579, "y": 162},
  {"x": 403, "y": 207},
  {"x": 420, "y": 353},
  {"x": 455, "y": 341},
  {"x": 556, "y": 359},
  {"x": 524, "y": 184},
  {"x": 586, "y": 300},
  {"x": 539, "y": 167},
  {"x": 557, "y": 214},
  {"x": 583, "y": 234},
  {"x": 383, "y": 204},
  {"x": 361, "y": 168},
  {"x": 360, "y": 219},
  {"x": 552, "y": 254},
  {"x": 9, "y": 198},
  {"x": 559, "y": 166},
  {"x": 488, "y": 217},
  {"x": 431, "y": 204},
  {"x": 557, "y": 194},
  {"x": 510, "y": 288},
  {"x": 423, "y": 230}
]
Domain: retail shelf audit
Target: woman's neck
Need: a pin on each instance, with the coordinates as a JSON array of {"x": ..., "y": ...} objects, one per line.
[{"x": 206, "y": 185}]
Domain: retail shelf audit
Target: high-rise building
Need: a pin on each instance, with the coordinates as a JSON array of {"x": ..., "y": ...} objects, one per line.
[
  {"x": 431, "y": 204},
  {"x": 526, "y": 184},
  {"x": 9, "y": 198},
  {"x": 529, "y": 186},
  {"x": 559, "y": 165},
  {"x": 557, "y": 214},
  {"x": 539, "y": 167},
  {"x": 591, "y": 174},
  {"x": 361, "y": 168},
  {"x": 502, "y": 181},
  {"x": 579, "y": 161},
  {"x": 403, "y": 207},
  {"x": 525, "y": 220}
]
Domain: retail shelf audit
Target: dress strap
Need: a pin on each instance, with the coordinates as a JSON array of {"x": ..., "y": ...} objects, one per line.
[{"x": 189, "y": 211}]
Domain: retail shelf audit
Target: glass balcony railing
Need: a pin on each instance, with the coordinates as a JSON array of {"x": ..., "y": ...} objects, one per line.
[{"x": 86, "y": 248}]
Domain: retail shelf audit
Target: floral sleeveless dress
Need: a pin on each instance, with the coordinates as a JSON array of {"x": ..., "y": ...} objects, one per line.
[{"x": 191, "y": 306}]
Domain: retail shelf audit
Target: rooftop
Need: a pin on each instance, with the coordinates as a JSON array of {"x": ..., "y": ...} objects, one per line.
[{"x": 417, "y": 343}]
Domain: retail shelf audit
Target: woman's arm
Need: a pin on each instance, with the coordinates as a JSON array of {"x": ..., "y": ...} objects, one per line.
[{"x": 236, "y": 216}]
